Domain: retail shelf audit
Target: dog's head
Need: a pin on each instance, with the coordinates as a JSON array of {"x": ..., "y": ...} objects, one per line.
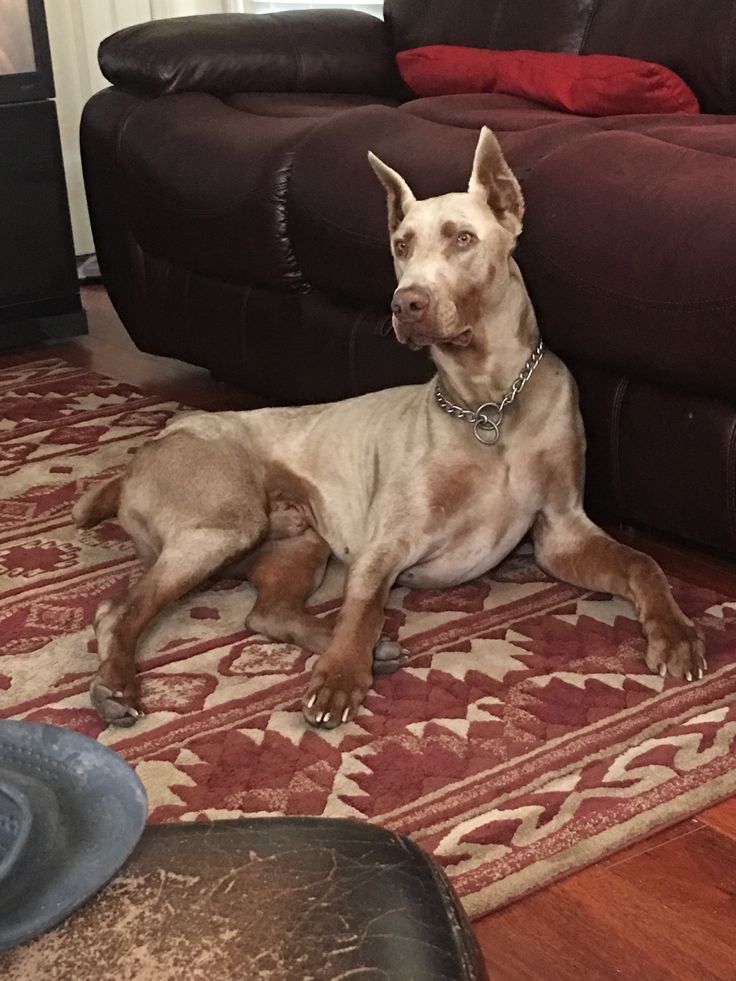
[{"x": 451, "y": 253}]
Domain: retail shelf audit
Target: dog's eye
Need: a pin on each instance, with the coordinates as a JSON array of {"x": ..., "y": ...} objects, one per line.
[
  {"x": 400, "y": 247},
  {"x": 465, "y": 238}
]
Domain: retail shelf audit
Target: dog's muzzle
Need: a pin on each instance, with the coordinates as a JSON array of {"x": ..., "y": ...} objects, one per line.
[{"x": 411, "y": 307}]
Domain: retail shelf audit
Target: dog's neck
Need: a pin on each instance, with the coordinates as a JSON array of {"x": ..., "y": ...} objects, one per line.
[{"x": 485, "y": 370}]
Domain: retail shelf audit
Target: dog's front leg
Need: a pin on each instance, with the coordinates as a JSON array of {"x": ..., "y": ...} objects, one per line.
[
  {"x": 569, "y": 546},
  {"x": 342, "y": 675}
]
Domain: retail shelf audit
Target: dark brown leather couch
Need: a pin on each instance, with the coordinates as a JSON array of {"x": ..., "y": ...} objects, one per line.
[{"x": 239, "y": 226}]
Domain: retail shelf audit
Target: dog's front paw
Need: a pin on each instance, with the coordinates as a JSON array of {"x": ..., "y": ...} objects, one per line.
[
  {"x": 338, "y": 686},
  {"x": 677, "y": 647}
]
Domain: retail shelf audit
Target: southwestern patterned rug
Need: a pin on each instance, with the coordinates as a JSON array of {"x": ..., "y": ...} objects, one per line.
[{"x": 524, "y": 740}]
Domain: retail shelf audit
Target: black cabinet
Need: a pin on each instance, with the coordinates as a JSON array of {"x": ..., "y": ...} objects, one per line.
[{"x": 39, "y": 292}]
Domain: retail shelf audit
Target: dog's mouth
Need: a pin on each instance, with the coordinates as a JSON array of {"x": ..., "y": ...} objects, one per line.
[{"x": 415, "y": 337}]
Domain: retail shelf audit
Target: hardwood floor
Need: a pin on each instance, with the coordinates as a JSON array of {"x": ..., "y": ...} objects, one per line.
[{"x": 664, "y": 909}]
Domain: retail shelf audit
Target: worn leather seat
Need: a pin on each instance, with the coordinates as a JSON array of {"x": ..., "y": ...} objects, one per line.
[
  {"x": 239, "y": 226},
  {"x": 283, "y": 899}
]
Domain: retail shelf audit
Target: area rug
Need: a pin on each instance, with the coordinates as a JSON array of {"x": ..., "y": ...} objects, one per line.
[{"x": 524, "y": 739}]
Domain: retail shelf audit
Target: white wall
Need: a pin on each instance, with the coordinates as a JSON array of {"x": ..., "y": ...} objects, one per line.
[{"x": 76, "y": 28}]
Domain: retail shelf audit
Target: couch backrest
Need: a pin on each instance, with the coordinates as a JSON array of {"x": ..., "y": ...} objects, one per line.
[{"x": 695, "y": 38}]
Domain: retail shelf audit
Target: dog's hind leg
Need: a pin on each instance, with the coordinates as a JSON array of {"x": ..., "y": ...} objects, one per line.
[
  {"x": 286, "y": 572},
  {"x": 191, "y": 556}
]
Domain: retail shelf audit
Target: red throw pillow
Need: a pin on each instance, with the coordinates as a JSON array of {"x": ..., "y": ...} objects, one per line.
[{"x": 591, "y": 85}]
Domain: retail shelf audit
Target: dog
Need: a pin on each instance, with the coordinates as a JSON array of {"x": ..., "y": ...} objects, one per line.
[{"x": 428, "y": 485}]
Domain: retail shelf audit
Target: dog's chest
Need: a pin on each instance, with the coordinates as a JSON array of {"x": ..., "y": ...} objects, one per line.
[
  {"x": 474, "y": 514},
  {"x": 470, "y": 540}
]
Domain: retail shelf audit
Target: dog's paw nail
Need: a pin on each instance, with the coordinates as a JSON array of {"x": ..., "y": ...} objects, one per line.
[
  {"x": 320, "y": 717},
  {"x": 326, "y": 717},
  {"x": 700, "y": 673},
  {"x": 705, "y": 665},
  {"x": 346, "y": 714},
  {"x": 689, "y": 676},
  {"x": 662, "y": 670},
  {"x": 312, "y": 700}
]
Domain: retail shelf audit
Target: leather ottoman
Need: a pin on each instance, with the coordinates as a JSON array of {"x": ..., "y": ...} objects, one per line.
[{"x": 287, "y": 899}]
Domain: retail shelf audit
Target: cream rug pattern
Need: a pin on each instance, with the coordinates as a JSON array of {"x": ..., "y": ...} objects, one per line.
[{"x": 524, "y": 739}]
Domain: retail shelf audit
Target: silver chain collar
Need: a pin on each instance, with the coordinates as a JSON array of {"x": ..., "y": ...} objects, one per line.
[{"x": 487, "y": 419}]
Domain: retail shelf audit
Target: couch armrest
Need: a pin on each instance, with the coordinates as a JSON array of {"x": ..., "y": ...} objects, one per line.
[{"x": 294, "y": 51}]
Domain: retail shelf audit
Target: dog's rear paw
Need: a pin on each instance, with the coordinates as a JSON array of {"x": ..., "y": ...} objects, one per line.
[
  {"x": 117, "y": 708},
  {"x": 388, "y": 657},
  {"x": 676, "y": 647},
  {"x": 335, "y": 693}
]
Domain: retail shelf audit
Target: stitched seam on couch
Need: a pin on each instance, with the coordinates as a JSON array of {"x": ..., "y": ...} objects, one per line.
[
  {"x": 731, "y": 481},
  {"x": 242, "y": 323},
  {"x": 139, "y": 256},
  {"x": 618, "y": 399},
  {"x": 727, "y": 66},
  {"x": 360, "y": 319},
  {"x": 298, "y": 65},
  {"x": 586, "y": 32}
]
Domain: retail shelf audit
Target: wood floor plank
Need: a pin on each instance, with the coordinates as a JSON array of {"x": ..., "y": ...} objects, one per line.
[
  {"x": 555, "y": 935},
  {"x": 685, "y": 894},
  {"x": 652, "y": 842},
  {"x": 667, "y": 914},
  {"x": 722, "y": 817}
]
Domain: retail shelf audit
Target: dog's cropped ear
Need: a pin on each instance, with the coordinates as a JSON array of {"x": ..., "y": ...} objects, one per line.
[
  {"x": 492, "y": 177},
  {"x": 398, "y": 192}
]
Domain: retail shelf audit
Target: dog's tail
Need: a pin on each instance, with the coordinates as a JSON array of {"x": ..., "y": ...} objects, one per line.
[{"x": 98, "y": 503}]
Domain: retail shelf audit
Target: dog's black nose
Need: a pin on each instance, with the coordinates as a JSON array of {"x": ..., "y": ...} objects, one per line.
[{"x": 410, "y": 303}]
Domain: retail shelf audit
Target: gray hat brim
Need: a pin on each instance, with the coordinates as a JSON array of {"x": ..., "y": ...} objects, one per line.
[{"x": 99, "y": 813}]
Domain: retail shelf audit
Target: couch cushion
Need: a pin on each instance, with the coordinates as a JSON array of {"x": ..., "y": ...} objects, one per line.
[
  {"x": 206, "y": 179},
  {"x": 627, "y": 249},
  {"x": 629, "y": 230},
  {"x": 222, "y": 53},
  {"x": 337, "y": 214}
]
